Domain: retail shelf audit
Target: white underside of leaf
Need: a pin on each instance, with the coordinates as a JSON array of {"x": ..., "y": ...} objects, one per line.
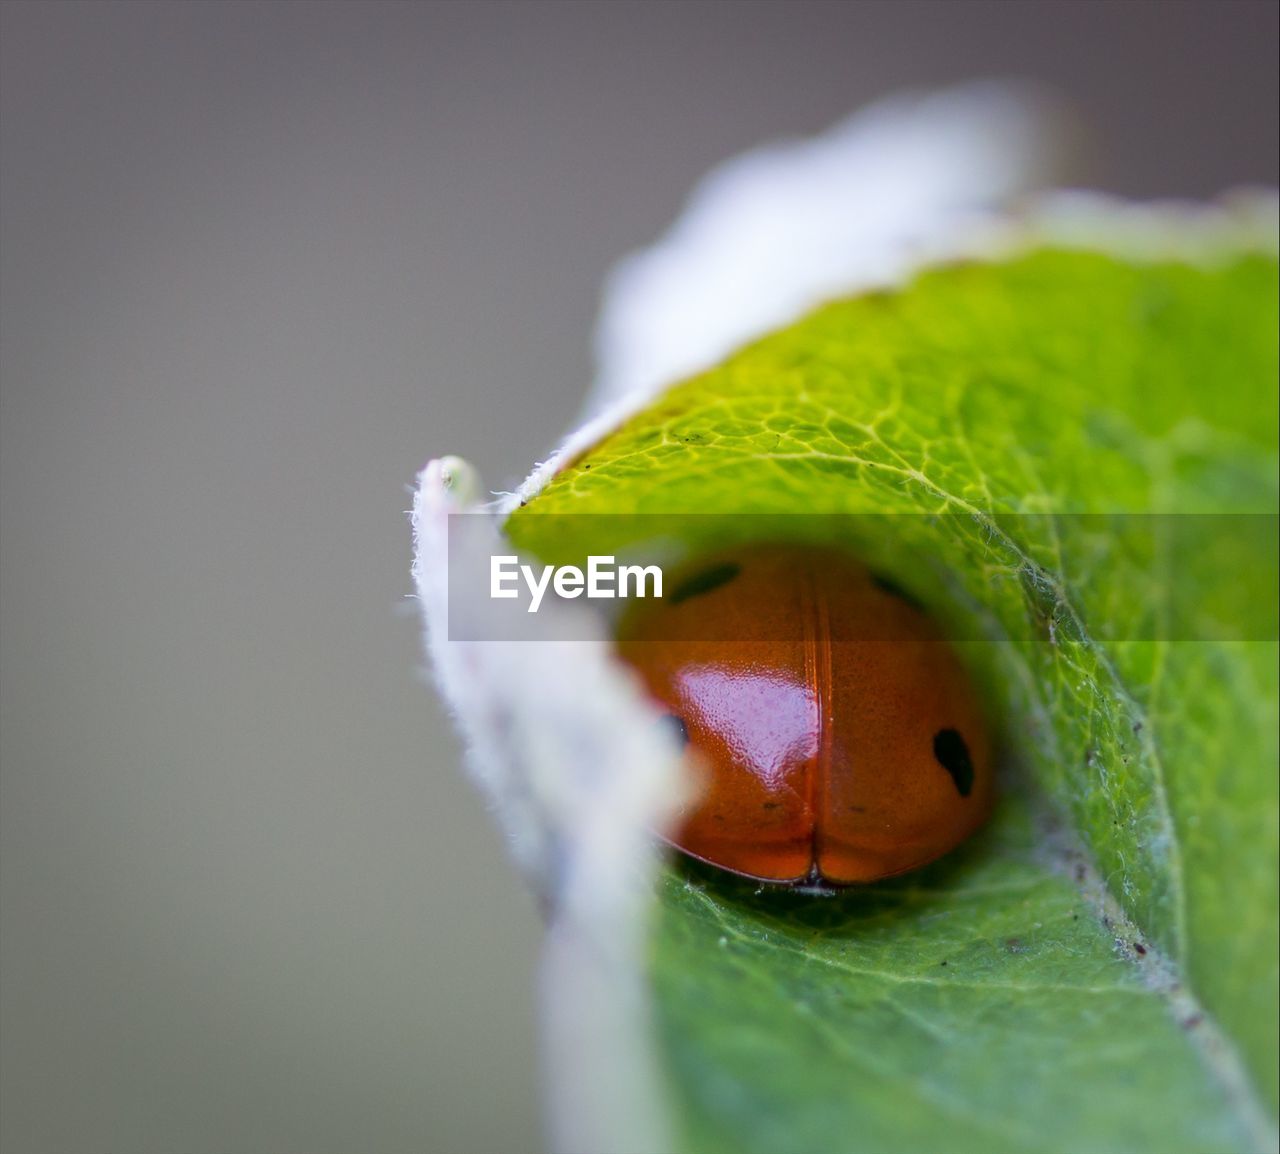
[{"x": 566, "y": 748}]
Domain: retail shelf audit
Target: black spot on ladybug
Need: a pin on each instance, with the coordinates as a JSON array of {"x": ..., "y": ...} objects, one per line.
[
  {"x": 704, "y": 582},
  {"x": 677, "y": 727},
  {"x": 953, "y": 755},
  {"x": 888, "y": 585},
  {"x": 770, "y": 805}
]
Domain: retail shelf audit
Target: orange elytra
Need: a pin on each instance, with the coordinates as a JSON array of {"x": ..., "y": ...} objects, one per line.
[{"x": 841, "y": 736}]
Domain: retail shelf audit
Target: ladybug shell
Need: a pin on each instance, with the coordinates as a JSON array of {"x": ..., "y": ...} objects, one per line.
[{"x": 842, "y": 739}]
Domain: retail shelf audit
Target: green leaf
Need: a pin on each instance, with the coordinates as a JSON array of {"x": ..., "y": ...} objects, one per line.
[{"x": 1040, "y": 430}]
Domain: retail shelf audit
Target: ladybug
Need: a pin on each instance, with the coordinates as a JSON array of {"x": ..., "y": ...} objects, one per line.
[{"x": 840, "y": 737}]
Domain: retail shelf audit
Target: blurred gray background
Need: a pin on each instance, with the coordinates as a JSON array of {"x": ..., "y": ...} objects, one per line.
[{"x": 259, "y": 262}]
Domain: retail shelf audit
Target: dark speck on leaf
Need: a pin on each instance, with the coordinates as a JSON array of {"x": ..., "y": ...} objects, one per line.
[
  {"x": 1140, "y": 949},
  {"x": 1015, "y": 946}
]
